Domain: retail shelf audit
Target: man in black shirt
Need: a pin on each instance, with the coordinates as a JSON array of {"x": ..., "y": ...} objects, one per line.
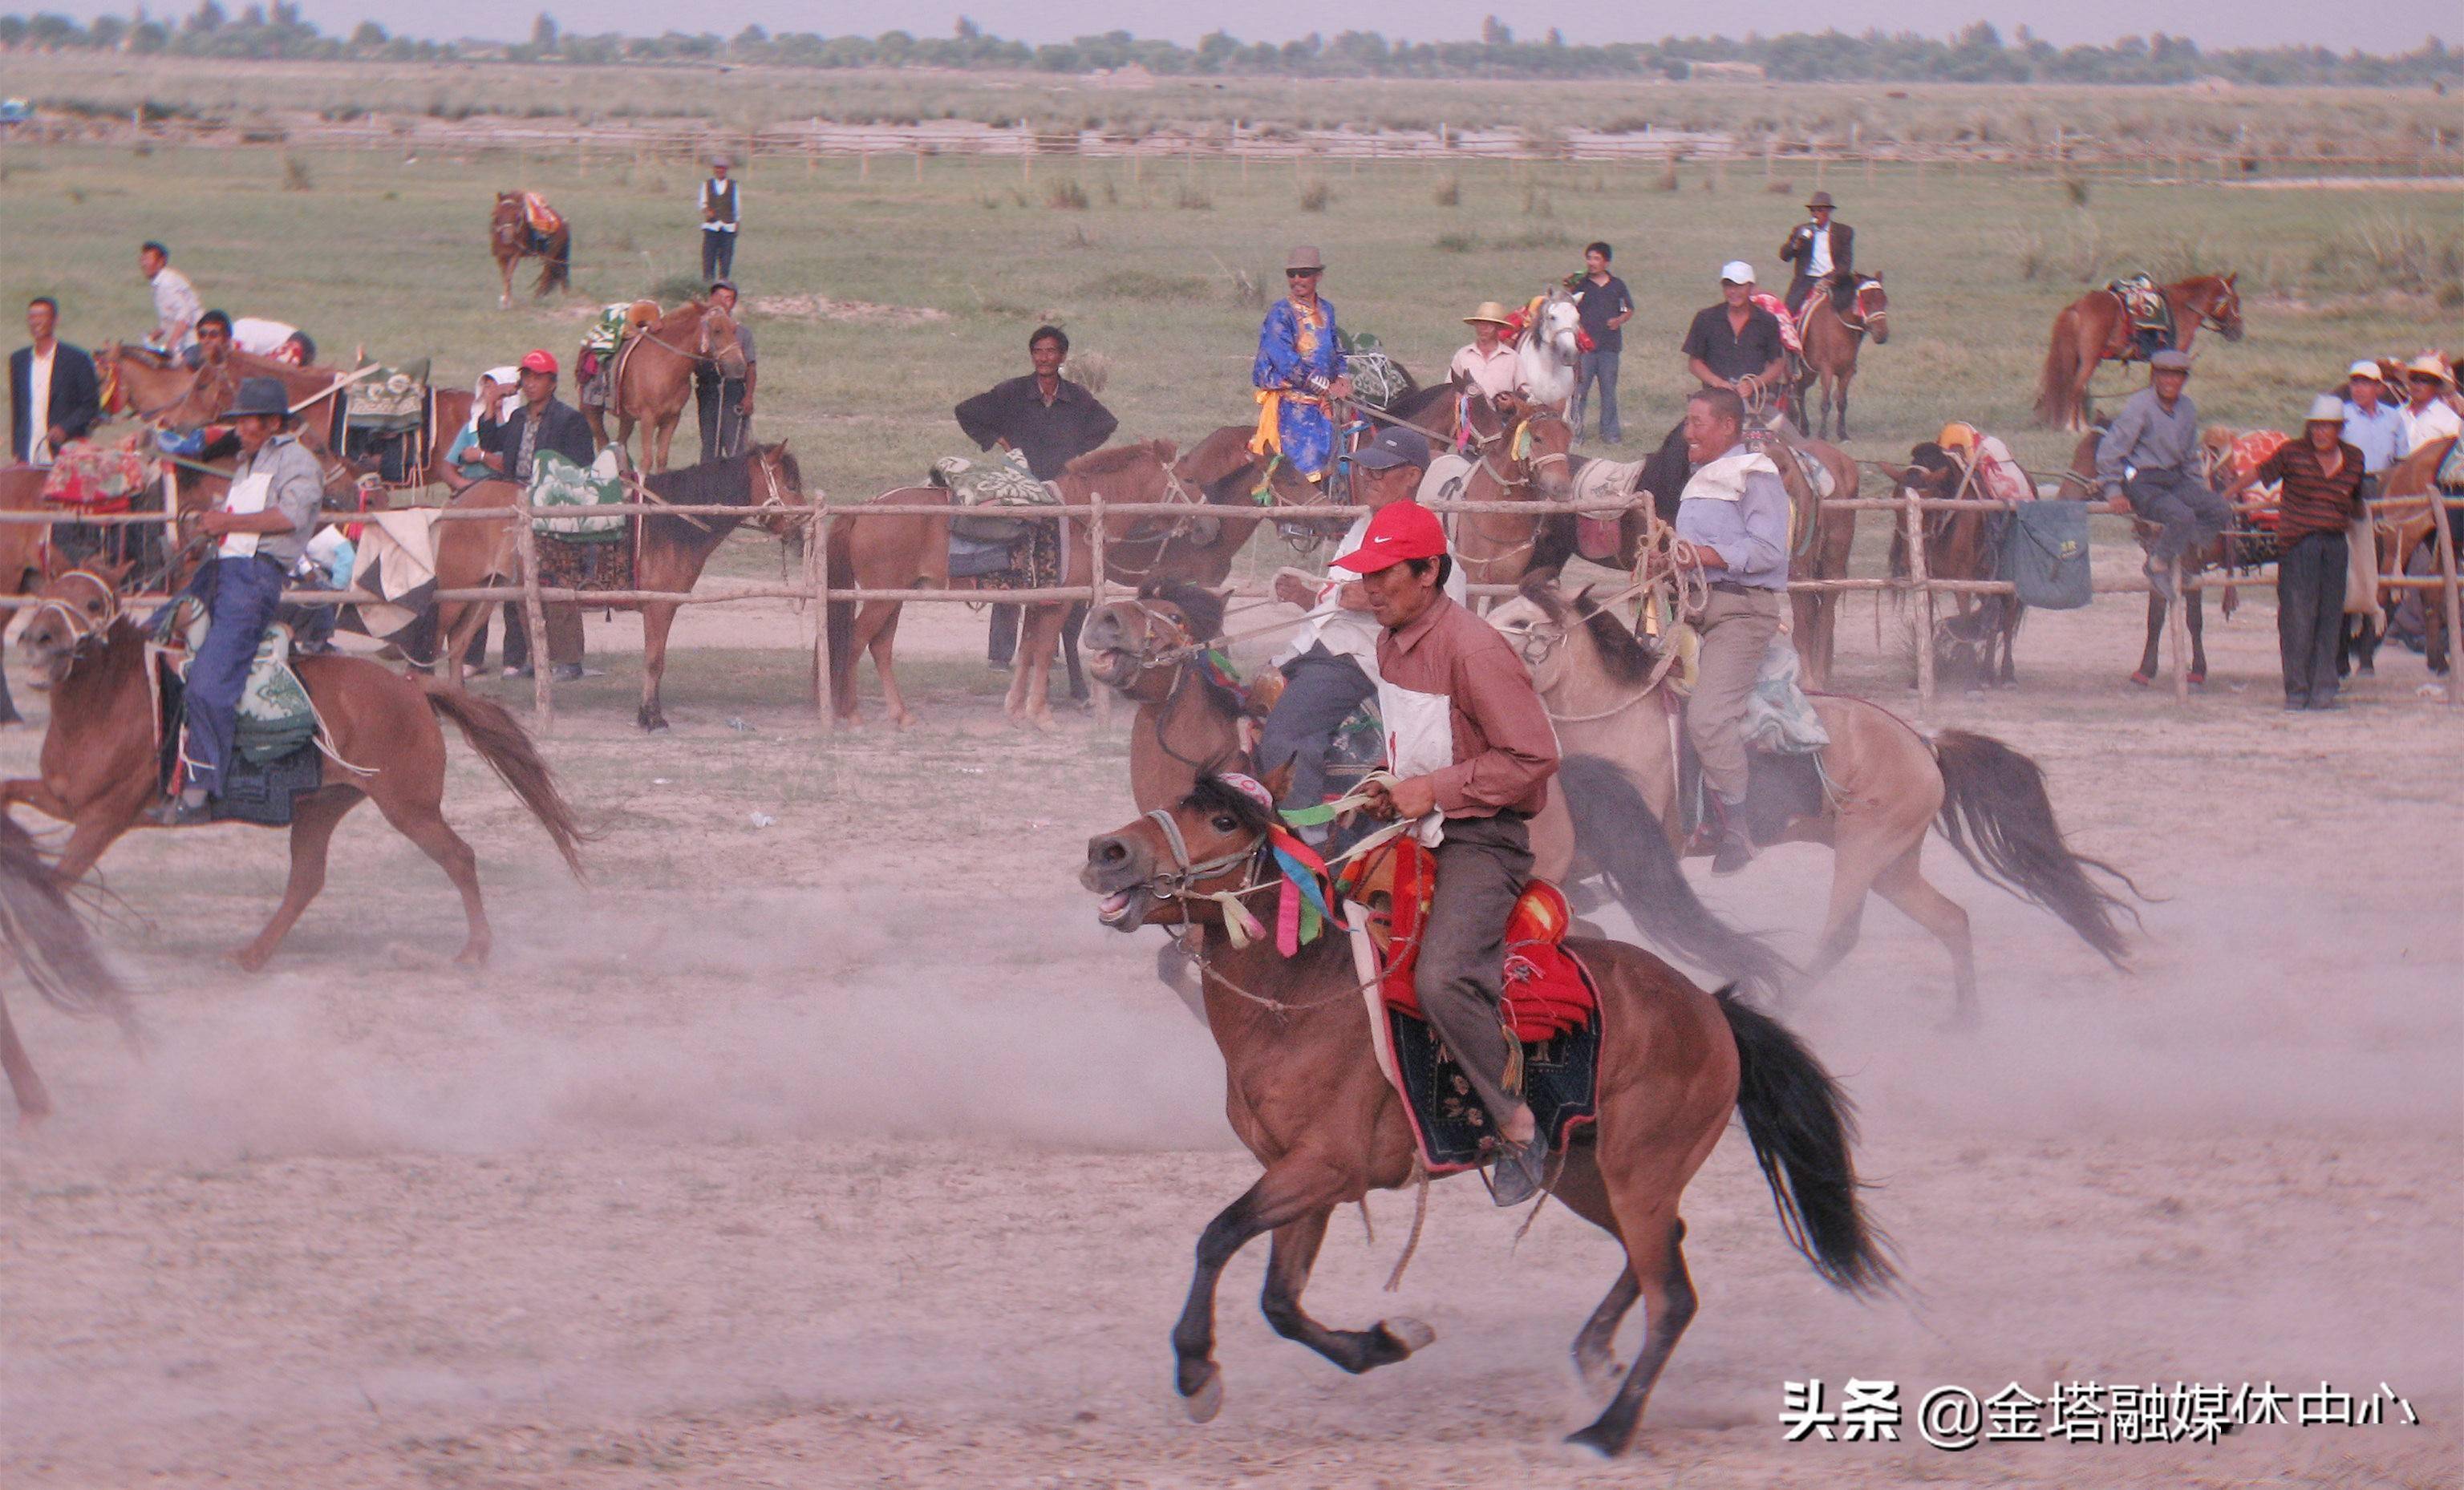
[
  {"x": 1050, "y": 421},
  {"x": 1601, "y": 300},
  {"x": 510, "y": 448},
  {"x": 1735, "y": 344}
]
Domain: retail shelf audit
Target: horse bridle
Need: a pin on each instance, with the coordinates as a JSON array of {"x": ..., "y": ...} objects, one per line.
[
  {"x": 1179, "y": 492},
  {"x": 1866, "y": 319},
  {"x": 82, "y": 627},
  {"x": 1184, "y": 875}
]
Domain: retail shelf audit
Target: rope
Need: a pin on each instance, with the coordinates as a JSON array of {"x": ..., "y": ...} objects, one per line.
[{"x": 1420, "y": 1218}]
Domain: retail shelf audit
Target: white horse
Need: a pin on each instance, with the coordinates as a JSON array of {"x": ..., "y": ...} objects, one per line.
[{"x": 1549, "y": 352}]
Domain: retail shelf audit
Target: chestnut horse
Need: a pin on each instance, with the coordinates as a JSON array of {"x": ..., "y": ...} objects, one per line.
[
  {"x": 509, "y": 240},
  {"x": 2094, "y": 329},
  {"x": 1189, "y": 722},
  {"x": 99, "y": 772},
  {"x": 1305, "y": 1093},
  {"x": 1889, "y": 786},
  {"x": 41, "y": 931},
  {"x": 1964, "y": 544},
  {"x": 1521, "y": 451},
  {"x": 653, "y": 380},
  {"x": 1831, "y": 345},
  {"x": 669, "y": 552},
  {"x": 896, "y": 553}
]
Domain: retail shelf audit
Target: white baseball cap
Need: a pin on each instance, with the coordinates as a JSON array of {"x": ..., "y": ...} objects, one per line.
[
  {"x": 2365, "y": 368},
  {"x": 2326, "y": 409},
  {"x": 1736, "y": 272}
]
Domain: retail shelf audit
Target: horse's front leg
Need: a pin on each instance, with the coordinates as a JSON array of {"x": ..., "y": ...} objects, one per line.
[
  {"x": 505, "y": 297},
  {"x": 2146, "y": 672},
  {"x": 1844, "y": 379},
  {"x": 657, "y": 618},
  {"x": 1356, "y": 1351},
  {"x": 2195, "y": 615},
  {"x": 1293, "y": 1188}
]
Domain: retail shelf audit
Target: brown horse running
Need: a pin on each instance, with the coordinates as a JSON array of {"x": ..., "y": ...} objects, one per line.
[
  {"x": 896, "y": 553},
  {"x": 668, "y": 552},
  {"x": 40, "y": 928},
  {"x": 1304, "y": 1091},
  {"x": 653, "y": 380},
  {"x": 99, "y": 757},
  {"x": 1830, "y": 345},
  {"x": 1190, "y": 723},
  {"x": 510, "y": 241},
  {"x": 1889, "y": 786},
  {"x": 2094, "y": 329}
]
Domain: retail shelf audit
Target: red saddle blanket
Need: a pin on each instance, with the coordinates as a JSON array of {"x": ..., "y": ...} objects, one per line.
[{"x": 1547, "y": 992}]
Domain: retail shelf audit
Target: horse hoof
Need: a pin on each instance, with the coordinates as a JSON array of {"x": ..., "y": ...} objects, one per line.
[
  {"x": 2141, "y": 679},
  {"x": 652, "y": 724},
  {"x": 1408, "y": 1332},
  {"x": 1594, "y": 1441},
  {"x": 471, "y": 956},
  {"x": 247, "y": 959},
  {"x": 903, "y": 721},
  {"x": 1206, "y": 1402}
]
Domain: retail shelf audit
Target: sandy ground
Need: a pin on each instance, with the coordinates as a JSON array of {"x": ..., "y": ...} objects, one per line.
[{"x": 849, "y": 1149}]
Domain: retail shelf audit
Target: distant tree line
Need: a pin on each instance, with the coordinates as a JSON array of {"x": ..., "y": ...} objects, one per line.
[{"x": 1976, "y": 54}]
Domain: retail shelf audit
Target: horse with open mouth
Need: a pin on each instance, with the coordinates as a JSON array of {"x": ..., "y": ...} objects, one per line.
[{"x": 1306, "y": 1095}]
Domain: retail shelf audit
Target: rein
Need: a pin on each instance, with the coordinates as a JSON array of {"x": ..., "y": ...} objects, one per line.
[{"x": 82, "y": 627}]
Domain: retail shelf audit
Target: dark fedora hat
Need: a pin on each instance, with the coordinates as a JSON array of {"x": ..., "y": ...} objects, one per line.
[{"x": 260, "y": 396}]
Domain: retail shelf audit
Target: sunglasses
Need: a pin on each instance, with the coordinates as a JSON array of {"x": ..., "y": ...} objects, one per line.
[{"x": 1303, "y": 273}]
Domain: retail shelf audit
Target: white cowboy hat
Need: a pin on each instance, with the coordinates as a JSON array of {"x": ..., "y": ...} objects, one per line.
[
  {"x": 2325, "y": 409},
  {"x": 2428, "y": 364},
  {"x": 1492, "y": 312},
  {"x": 1736, "y": 272},
  {"x": 2365, "y": 368}
]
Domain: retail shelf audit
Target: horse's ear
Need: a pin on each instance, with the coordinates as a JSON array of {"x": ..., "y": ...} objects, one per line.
[
  {"x": 2233, "y": 275},
  {"x": 1164, "y": 450},
  {"x": 1279, "y": 782},
  {"x": 1218, "y": 457}
]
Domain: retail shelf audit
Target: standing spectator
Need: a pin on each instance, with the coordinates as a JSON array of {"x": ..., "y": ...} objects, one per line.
[
  {"x": 725, "y": 403},
  {"x": 2372, "y": 426},
  {"x": 2321, "y": 475},
  {"x": 2149, "y": 457},
  {"x": 1818, "y": 248},
  {"x": 176, "y": 306},
  {"x": 722, "y": 201},
  {"x": 1051, "y": 421},
  {"x": 510, "y": 446},
  {"x": 1489, "y": 363},
  {"x": 53, "y": 396},
  {"x": 1735, "y": 344},
  {"x": 1602, "y": 301},
  {"x": 2427, "y": 418}
]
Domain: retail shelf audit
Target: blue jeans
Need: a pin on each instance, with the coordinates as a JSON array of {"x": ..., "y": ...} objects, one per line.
[
  {"x": 1321, "y": 688},
  {"x": 1600, "y": 368},
  {"x": 241, "y": 595}
]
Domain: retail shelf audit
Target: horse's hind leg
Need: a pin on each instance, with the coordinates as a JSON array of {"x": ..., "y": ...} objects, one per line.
[
  {"x": 1903, "y": 883},
  {"x": 883, "y": 643},
  {"x": 313, "y": 821},
  {"x": 424, "y": 824},
  {"x": 2146, "y": 672},
  {"x": 656, "y": 619},
  {"x": 1294, "y": 1251},
  {"x": 1655, "y": 1256},
  {"x": 2195, "y": 615},
  {"x": 1580, "y": 1189},
  {"x": 33, "y": 1102}
]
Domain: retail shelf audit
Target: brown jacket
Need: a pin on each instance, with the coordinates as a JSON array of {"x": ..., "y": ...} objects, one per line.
[{"x": 1504, "y": 748}]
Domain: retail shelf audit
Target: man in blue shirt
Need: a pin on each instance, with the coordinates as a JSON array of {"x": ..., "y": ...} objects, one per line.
[
  {"x": 1734, "y": 512},
  {"x": 2372, "y": 426},
  {"x": 1299, "y": 372},
  {"x": 2149, "y": 456},
  {"x": 1605, "y": 305}
]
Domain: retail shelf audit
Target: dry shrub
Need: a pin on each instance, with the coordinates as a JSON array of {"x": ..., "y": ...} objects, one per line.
[
  {"x": 1449, "y": 193},
  {"x": 1315, "y": 196},
  {"x": 295, "y": 176},
  {"x": 1066, "y": 195}
]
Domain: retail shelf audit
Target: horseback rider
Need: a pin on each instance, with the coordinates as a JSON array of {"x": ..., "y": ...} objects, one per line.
[
  {"x": 1471, "y": 749},
  {"x": 264, "y": 524},
  {"x": 213, "y": 343},
  {"x": 2149, "y": 456},
  {"x": 1489, "y": 363},
  {"x": 176, "y": 306},
  {"x": 1330, "y": 664},
  {"x": 510, "y": 448},
  {"x": 1736, "y": 344},
  {"x": 1299, "y": 372},
  {"x": 1734, "y": 512},
  {"x": 1818, "y": 248},
  {"x": 2428, "y": 416},
  {"x": 1050, "y": 421}
]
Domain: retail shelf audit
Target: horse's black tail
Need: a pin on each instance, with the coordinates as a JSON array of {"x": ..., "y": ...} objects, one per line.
[
  {"x": 1995, "y": 811},
  {"x": 1802, "y": 1127},
  {"x": 556, "y": 266},
  {"x": 838, "y": 623},
  {"x": 40, "y": 928},
  {"x": 1616, "y": 830}
]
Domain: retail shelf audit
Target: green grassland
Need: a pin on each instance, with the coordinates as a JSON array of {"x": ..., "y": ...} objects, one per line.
[{"x": 1159, "y": 271}]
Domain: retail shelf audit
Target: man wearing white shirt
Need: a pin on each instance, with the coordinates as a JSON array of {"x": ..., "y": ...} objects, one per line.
[
  {"x": 1489, "y": 363},
  {"x": 2372, "y": 426},
  {"x": 52, "y": 396},
  {"x": 259, "y": 337},
  {"x": 1330, "y": 667},
  {"x": 176, "y": 306},
  {"x": 2428, "y": 417}
]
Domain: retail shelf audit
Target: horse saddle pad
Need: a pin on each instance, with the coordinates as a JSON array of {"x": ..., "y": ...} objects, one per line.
[
  {"x": 556, "y": 481},
  {"x": 98, "y": 477},
  {"x": 274, "y": 714},
  {"x": 390, "y": 399},
  {"x": 538, "y": 216},
  {"x": 1551, "y": 1007},
  {"x": 1780, "y": 788},
  {"x": 999, "y": 480}
]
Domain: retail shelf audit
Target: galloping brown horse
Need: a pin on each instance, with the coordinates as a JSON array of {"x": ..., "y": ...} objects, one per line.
[
  {"x": 1889, "y": 786},
  {"x": 669, "y": 552},
  {"x": 99, "y": 772},
  {"x": 1306, "y": 1095},
  {"x": 2094, "y": 328},
  {"x": 41, "y": 931},
  {"x": 895, "y": 553},
  {"x": 1830, "y": 345},
  {"x": 510, "y": 241},
  {"x": 653, "y": 380}
]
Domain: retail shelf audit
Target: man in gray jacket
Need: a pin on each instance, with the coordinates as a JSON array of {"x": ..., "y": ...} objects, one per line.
[{"x": 2151, "y": 457}]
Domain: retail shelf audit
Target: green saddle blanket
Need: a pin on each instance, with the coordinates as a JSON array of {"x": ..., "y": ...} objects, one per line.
[
  {"x": 274, "y": 714},
  {"x": 556, "y": 481},
  {"x": 390, "y": 399},
  {"x": 1000, "y": 478}
]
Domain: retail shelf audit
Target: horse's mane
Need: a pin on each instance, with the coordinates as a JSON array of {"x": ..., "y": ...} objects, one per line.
[
  {"x": 1214, "y": 793},
  {"x": 1110, "y": 461},
  {"x": 691, "y": 309},
  {"x": 1627, "y": 658},
  {"x": 1200, "y": 606},
  {"x": 715, "y": 483}
]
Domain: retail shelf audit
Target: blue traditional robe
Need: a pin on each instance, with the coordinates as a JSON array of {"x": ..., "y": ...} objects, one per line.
[{"x": 1299, "y": 354}]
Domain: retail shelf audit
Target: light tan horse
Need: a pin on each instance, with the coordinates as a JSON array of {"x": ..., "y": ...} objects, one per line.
[
  {"x": 1889, "y": 785},
  {"x": 653, "y": 380}
]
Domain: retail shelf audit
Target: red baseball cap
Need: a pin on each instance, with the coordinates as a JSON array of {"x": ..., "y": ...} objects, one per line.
[
  {"x": 539, "y": 360},
  {"x": 1400, "y": 530}
]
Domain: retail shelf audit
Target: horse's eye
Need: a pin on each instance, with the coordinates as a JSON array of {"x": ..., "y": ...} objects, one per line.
[
  {"x": 1225, "y": 822},
  {"x": 95, "y": 605}
]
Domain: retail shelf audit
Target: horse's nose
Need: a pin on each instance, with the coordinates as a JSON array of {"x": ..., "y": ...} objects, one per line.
[
  {"x": 1113, "y": 861},
  {"x": 1102, "y": 633}
]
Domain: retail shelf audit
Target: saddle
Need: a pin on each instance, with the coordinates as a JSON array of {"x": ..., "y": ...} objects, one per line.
[
  {"x": 1551, "y": 1009},
  {"x": 1784, "y": 739},
  {"x": 276, "y": 756},
  {"x": 541, "y": 219},
  {"x": 2147, "y": 325}
]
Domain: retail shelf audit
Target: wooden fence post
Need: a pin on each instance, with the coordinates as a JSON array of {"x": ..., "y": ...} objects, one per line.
[
  {"x": 533, "y": 621},
  {"x": 1921, "y": 576},
  {"x": 1096, "y": 602},
  {"x": 817, "y": 577},
  {"x": 2177, "y": 635},
  {"x": 2439, "y": 518}
]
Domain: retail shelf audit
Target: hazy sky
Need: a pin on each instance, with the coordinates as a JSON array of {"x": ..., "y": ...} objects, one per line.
[{"x": 2383, "y": 27}]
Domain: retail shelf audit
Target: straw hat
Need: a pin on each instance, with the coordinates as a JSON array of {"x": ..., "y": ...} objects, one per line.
[
  {"x": 2325, "y": 409},
  {"x": 2428, "y": 364},
  {"x": 1492, "y": 312},
  {"x": 2365, "y": 368},
  {"x": 1303, "y": 256}
]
